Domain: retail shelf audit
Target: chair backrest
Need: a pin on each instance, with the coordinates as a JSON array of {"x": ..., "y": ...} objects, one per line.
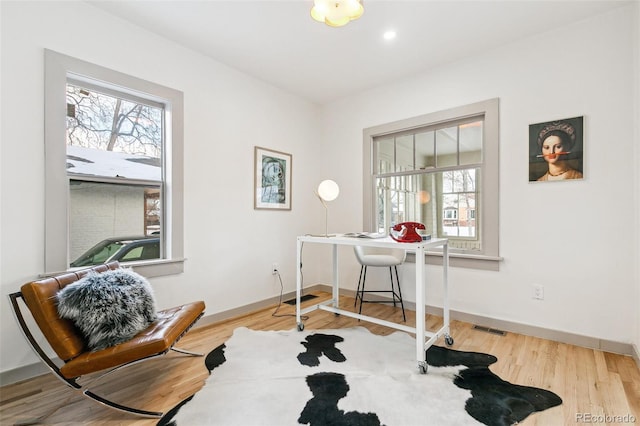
[
  {"x": 379, "y": 256},
  {"x": 40, "y": 298}
]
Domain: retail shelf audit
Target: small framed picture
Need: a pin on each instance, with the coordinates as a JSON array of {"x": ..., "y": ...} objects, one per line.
[
  {"x": 556, "y": 150},
  {"x": 272, "y": 186}
]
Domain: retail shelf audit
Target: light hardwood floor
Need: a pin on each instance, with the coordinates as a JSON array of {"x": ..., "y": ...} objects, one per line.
[{"x": 590, "y": 382}]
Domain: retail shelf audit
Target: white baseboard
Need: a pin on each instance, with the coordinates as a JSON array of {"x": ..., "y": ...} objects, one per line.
[
  {"x": 527, "y": 330},
  {"x": 24, "y": 373},
  {"x": 251, "y": 308},
  {"x": 37, "y": 369}
]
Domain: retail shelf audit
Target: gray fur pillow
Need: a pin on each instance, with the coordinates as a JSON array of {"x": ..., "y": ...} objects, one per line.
[{"x": 109, "y": 307}]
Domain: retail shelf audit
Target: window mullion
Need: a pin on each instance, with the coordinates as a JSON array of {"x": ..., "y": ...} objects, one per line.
[
  {"x": 430, "y": 170},
  {"x": 458, "y": 145},
  {"x": 114, "y": 91},
  {"x": 114, "y": 180}
]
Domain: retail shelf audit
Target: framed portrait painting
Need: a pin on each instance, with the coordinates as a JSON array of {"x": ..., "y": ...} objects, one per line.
[
  {"x": 556, "y": 150},
  {"x": 272, "y": 185}
]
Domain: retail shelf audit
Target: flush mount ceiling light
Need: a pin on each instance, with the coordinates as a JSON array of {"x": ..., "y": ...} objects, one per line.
[
  {"x": 389, "y": 35},
  {"x": 336, "y": 13}
]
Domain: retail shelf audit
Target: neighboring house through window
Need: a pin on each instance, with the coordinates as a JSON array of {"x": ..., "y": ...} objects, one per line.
[
  {"x": 440, "y": 169},
  {"x": 113, "y": 165}
]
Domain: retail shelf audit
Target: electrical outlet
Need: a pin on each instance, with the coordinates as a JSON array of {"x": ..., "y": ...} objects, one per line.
[
  {"x": 275, "y": 269},
  {"x": 538, "y": 291}
]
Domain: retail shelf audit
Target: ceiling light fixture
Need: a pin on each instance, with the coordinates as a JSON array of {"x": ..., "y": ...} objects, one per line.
[
  {"x": 336, "y": 13},
  {"x": 389, "y": 35}
]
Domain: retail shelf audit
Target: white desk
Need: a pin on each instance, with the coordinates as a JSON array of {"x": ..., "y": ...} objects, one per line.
[{"x": 419, "y": 249}]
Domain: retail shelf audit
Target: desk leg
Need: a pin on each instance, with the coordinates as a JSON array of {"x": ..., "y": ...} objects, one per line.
[
  {"x": 336, "y": 281},
  {"x": 299, "y": 284},
  {"x": 445, "y": 282},
  {"x": 420, "y": 311}
]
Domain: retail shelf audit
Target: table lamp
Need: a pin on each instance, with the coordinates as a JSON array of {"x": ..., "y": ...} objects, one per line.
[{"x": 327, "y": 190}]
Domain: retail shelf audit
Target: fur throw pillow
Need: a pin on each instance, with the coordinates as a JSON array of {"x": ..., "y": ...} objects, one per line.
[{"x": 109, "y": 307}]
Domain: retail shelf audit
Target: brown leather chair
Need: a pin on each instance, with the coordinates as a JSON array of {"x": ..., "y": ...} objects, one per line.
[{"x": 69, "y": 344}]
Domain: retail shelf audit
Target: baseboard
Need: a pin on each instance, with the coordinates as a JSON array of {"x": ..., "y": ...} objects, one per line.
[
  {"x": 528, "y": 330},
  {"x": 253, "y": 307},
  {"x": 24, "y": 373},
  {"x": 39, "y": 368},
  {"x": 32, "y": 370},
  {"x": 545, "y": 333}
]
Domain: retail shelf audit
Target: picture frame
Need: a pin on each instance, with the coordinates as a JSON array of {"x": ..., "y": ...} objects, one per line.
[
  {"x": 556, "y": 150},
  {"x": 272, "y": 179}
]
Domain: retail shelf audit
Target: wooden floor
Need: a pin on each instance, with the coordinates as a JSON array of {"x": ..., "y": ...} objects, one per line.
[{"x": 591, "y": 383}]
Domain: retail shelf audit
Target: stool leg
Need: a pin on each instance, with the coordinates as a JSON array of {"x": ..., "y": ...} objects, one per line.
[
  {"x": 404, "y": 317},
  {"x": 364, "y": 278},
  {"x": 355, "y": 302},
  {"x": 393, "y": 290}
]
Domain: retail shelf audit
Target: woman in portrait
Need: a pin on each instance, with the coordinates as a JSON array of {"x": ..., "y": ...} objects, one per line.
[{"x": 555, "y": 141}]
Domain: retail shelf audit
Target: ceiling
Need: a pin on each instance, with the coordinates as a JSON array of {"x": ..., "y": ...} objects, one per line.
[{"x": 279, "y": 43}]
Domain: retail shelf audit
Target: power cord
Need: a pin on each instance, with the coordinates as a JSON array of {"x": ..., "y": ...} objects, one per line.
[{"x": 275, "y": 313}]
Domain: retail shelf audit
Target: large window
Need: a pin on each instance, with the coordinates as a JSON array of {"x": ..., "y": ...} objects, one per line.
[
  {"x": 115, "y": 146},
  {"x": 440, "y": 169},
  {"x": 114, "y": 169}
]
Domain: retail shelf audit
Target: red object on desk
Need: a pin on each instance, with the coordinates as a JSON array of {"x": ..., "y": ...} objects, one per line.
[{"x": 405, "y": 232}]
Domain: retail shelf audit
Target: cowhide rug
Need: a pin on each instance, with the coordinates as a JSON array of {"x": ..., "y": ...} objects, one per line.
[{"x": 350, "y": 377}]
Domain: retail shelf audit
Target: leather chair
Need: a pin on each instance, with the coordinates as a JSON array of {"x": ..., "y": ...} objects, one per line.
[
  {"x": 64, "y": 338},
  {"x": 379, "y": 257}
]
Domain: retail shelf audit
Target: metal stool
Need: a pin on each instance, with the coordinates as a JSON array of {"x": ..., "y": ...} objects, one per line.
[{"x": 379, "y": 257}]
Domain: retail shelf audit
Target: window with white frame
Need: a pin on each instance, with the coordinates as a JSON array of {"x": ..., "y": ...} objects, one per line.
[
  {"x": 440, "y": 169},
  {"x": 114, "y": 169}
]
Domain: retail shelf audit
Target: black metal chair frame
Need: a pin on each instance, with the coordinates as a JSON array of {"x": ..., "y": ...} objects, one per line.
[
  {"x": 395, "y": 296},
  {"x": 73, "y": 382}
]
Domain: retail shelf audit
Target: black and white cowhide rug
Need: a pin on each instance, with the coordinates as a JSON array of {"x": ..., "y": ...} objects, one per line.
[{"x": 350, "y": 377}]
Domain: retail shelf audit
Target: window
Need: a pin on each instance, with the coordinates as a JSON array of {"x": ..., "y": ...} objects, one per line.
[
  {"x": 113, "y": 167},
  {"x": 115, "y": 146},
  {"x": 458, "y": 201},
  {"x": 439, "y": 169}
]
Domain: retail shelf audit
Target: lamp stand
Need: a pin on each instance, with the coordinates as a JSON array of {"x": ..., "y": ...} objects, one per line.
[{"x": 326, "y": 219}]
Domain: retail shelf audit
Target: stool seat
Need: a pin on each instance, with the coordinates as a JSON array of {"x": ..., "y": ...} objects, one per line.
[
  {"x": 379, "y": 260},
  {"x": 377, "y": 256}
]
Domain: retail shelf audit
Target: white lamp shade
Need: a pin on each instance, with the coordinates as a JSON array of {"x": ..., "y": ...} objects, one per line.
[{"x": 328, "y": 190}]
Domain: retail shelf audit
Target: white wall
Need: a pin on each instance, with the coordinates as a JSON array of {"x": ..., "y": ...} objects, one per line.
[
  {"x": 576, "y": 237},
  {"x": 587, "y": 266},
  {"x": 229, "y": 246}
]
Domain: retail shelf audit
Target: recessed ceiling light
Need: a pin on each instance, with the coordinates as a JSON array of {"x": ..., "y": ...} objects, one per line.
[{"x": 389, "y": 35}]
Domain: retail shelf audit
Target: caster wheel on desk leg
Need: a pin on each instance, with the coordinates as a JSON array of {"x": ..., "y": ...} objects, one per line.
[
  {"x": 448, "y": 340},
  {"x": 422, "y": 367},
  {"x": 300, "y": 326}
]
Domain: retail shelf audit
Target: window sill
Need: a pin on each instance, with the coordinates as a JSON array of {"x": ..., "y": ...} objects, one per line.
[
  {"x": 462, "y": 260},
  {"x": 147, "y": 268},
  {"x": 157, "y": 268}
]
